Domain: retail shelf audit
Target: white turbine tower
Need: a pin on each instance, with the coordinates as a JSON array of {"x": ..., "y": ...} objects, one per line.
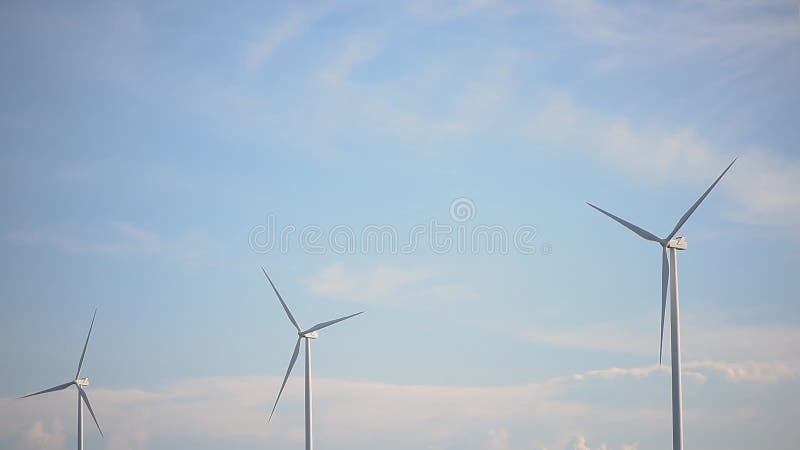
[
  {"x": 308, "y": 334},
  {"x": 79, "y": 383},
  {"x": 669, "y": 276}
]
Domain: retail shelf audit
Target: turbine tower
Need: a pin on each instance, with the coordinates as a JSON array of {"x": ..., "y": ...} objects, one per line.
[
  {"x": 79, "y": 383},
  {"x": 308, "y": 335},
  {"x": 669, "y": 277}
]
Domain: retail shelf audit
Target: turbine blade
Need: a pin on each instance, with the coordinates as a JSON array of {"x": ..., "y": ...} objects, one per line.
[
  {"x": 83, "y": 353},
  {"x": 641, "y": 232},
  {"x": 52, "y": 389},
  {"x": 664, "y": 283},
  {"x": 89, "y": 405},
  {"x": 322, "y": 325},
  {"x": 697, "y": 203},
  {"x": 288, "y": 371},
  {"x": 283, "y": 303}
]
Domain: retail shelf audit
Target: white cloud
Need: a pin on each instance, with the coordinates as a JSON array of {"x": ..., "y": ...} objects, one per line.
[
  {"x": 41, "y": 437},
  {"x": 758, "y": 354},
  {"x": 648, "y": 153},
  {"x": 762, "y": 188},
  {"x": 760, "y": 372},
  {"x": 737, "y": 32},
  {"x": 497, "y": 439},
  {"x": 379, "y": 284},
  {"x": 278, "y": 34},
  {"x": 389, "y": 286},
  {"x": 634, "y": 372},
  {"x": 699, "y": 371},
  {"x": 477, "y": 106},
  {"x": 234, "y": 409},
  {"x": 581, "y": 443},
  {"x": 357, "y": 50},
  {"x": 741, "y": 354}
]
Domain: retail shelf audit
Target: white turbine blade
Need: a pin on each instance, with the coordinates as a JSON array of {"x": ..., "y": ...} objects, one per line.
[
  {"x": 697, "y": 203},
  {"x": 641, "y": 232},
  {"x": 283, "y": 303},
  {"x": 52, "y": 389},
  {"x": 664, "y": 283},
  {"x": 83, "y": 353},
  {"x": 288, "y": 371},
  {"x": 322, "y": 325},
  {"x": 89, "y": 405}
]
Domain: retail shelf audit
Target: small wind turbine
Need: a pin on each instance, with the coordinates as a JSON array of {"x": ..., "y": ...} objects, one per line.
[
  {"x": 669, "y": 277},
  {"x": 79, "y": 383},
  {"x": 308, "y": 334}
]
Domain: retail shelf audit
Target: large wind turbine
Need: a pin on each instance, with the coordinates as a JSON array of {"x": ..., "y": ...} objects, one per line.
[
  {"x": 308, "y": 334},
  {"x": 669, "y": 277},
  {"x": 79, "y": 383}
]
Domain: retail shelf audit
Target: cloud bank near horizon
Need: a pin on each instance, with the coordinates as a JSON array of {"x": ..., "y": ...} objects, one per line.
[{"x": 232, "y": 411}]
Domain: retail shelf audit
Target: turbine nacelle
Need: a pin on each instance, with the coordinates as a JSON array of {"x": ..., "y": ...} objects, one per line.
[
  {"x": 309, "y": 335},
  {"x": 679, "y": 243},
  {"x": 82, "y": 382}
]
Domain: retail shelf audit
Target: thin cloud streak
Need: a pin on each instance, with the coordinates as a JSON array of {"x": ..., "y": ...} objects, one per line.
[
  {"x": 119, "y": 240},
  {"x": 767, "y": 344},
  {"x": 291, "y": 26}
]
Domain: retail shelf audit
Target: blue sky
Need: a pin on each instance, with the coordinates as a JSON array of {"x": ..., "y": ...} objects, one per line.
[{"x": 145, "y": 149}]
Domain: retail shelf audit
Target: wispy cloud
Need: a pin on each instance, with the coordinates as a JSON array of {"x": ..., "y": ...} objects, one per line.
[
  {"x": 764, "y": 354},
  {"x": 737, "y": 372},
  {"x": 117, "y": 239},
  {"x": 443, "y": 10},
  {"x": 477, "y": 105},
  {"x": 737, "y": 32},
  {"x": 763, "y": 188},
  {"x": 387, "y": 286},
  {"x": 757, "y": 372},
  {"x": 603, "y": 337},
  {"x": 128, "y": 239},
  {"x": 276, "y": 35},
  {"x": 41, "y": 436},
  {"x": 769, "y": 344},
  {"x": 359, "y": 48}
]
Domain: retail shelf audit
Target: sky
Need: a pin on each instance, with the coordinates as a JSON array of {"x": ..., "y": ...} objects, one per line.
[{"x": 427, "y": 163}]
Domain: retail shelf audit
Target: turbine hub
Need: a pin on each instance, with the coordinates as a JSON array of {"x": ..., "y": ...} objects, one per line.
[
  {"x": 312, "y": 335},
  {"x": 679, "y": 243},
  {"x": 83, "y": 382}
]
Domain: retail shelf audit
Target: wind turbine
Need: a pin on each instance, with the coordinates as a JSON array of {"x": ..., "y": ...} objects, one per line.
[
  {"x": 308, "y": 335},
  {"x": 79, "y": 383},
  {"x": 669, "y": 277}
]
